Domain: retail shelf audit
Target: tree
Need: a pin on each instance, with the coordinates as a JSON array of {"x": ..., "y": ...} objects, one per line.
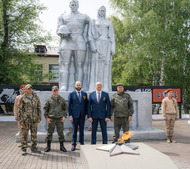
[
  {"x": 19, "y": 32},
  {"x": 156, "y": 51}
]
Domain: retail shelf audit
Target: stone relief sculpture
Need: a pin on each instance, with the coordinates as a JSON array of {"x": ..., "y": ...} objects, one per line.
[
  {"x": 102, "y": 43},
  {"x": 76, "y": 62},
  {"x": 72, "y": 29}
]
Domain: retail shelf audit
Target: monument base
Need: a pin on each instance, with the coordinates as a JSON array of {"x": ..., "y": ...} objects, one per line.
[
  {"x": 139, "y": 134},
  {"x": 149, "y": 158}
]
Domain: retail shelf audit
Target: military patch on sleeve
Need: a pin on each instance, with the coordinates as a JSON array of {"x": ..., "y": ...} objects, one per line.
[
  {"x": 18, "y": 102},
  {"x": 60, "y": 102}
]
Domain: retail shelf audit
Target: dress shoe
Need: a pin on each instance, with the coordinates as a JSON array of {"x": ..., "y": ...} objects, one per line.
[{"x": 73, "y": 148}]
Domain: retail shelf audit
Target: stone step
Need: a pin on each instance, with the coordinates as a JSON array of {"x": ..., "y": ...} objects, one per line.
[{"x": 139, "y": 134}]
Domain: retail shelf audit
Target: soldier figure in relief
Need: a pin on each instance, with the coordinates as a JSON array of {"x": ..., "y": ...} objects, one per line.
[{"x": 72, "y": 29}]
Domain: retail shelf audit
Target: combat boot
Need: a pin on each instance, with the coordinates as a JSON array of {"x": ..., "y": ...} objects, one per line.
[
  {"x": 168, "y": 140},
  {"x": 35, "y": 150},
  {"x": 62, "y": 148},
  {"x": 114, "y": 141},
  {"x": 24, "y": 153},
  {"x": 48, "y": 148},
  {"x": 128, "y": 141},
  {"x": 172, "y": 140}
]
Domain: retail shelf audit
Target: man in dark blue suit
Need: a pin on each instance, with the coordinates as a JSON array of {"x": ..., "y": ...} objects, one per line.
[
  {"x": 77, "y": 107},
  {"x": 99, "y": 111}
]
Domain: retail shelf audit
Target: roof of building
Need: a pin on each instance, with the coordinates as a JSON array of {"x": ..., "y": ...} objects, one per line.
[{"x": 42, "y": 50}]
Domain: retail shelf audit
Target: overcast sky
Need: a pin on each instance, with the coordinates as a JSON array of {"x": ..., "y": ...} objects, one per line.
[{"x": 57, "y": 7}]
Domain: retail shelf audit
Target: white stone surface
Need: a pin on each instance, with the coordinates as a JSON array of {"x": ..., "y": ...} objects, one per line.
[
  {"x": 149, "y": 158},
  {"x": 142, "y": 117}
]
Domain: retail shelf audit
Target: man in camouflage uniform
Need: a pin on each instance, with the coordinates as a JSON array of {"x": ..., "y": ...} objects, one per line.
[
  {"x": 29, "y": 117},
  {"x": 55, "y": 112},
  {"x": 122, "y": 107},
  {"x": 22, "y": 88}
]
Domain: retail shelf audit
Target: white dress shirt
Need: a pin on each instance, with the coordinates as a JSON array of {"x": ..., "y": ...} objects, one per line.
[
  {"x": 78, "y": 93},
  {"x": 97, "y": 94}
]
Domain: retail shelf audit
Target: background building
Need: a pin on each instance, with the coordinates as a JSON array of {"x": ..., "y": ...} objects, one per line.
[{"x": 47, "y": 70}]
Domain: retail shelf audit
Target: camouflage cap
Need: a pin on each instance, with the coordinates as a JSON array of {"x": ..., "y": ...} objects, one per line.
[
  {"x": 55, "y": 88},
  {"x": 120, "y": 84},
  {"x": 28, "y": 86}
]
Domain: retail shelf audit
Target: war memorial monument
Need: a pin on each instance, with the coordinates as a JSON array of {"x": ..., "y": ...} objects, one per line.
[{"x": 85, "y": 54}]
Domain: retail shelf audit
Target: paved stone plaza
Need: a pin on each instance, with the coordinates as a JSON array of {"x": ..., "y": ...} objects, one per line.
[{"x": 10, "y": 154}]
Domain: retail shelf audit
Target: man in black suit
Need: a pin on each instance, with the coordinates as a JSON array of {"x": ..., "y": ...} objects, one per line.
[
  {"x": 77, "y": 107},
  {"x": 99, "y": 111}
]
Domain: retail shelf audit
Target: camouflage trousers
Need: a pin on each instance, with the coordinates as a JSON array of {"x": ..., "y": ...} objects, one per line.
[
  {"x": 120, "y": 122},
  {"x": 20, "y": 131},
  {"x": 169, "y": 125},
  {"x": 51, "y": 128},
  {"x": 24, "y": 138}
]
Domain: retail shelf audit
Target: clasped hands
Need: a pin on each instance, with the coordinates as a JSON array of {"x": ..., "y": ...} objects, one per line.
[
  {"x": 91, "y": 120},
  {"x": 71, "y": 118}
]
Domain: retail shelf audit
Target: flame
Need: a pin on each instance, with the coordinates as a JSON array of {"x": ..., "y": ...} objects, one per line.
[{"x": 126, "y": 136}]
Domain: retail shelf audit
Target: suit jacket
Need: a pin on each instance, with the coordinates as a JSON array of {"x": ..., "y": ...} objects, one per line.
[
  {"x": 75, "y": 107},
  {"x": 99, "y": 110}
]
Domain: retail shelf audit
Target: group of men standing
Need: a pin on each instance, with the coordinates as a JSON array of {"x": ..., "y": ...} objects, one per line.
[{"x": 97, "y": 109}]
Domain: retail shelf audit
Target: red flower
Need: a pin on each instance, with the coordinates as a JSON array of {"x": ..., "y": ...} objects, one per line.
[
  {"x": 70, "y": 128},
  {"x": 89, "y": 128}
]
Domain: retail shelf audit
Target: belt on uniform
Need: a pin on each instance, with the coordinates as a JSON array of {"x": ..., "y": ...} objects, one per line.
[
  {"x": 171, "y": 114},
  {"x": 54, "y": 117}
]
